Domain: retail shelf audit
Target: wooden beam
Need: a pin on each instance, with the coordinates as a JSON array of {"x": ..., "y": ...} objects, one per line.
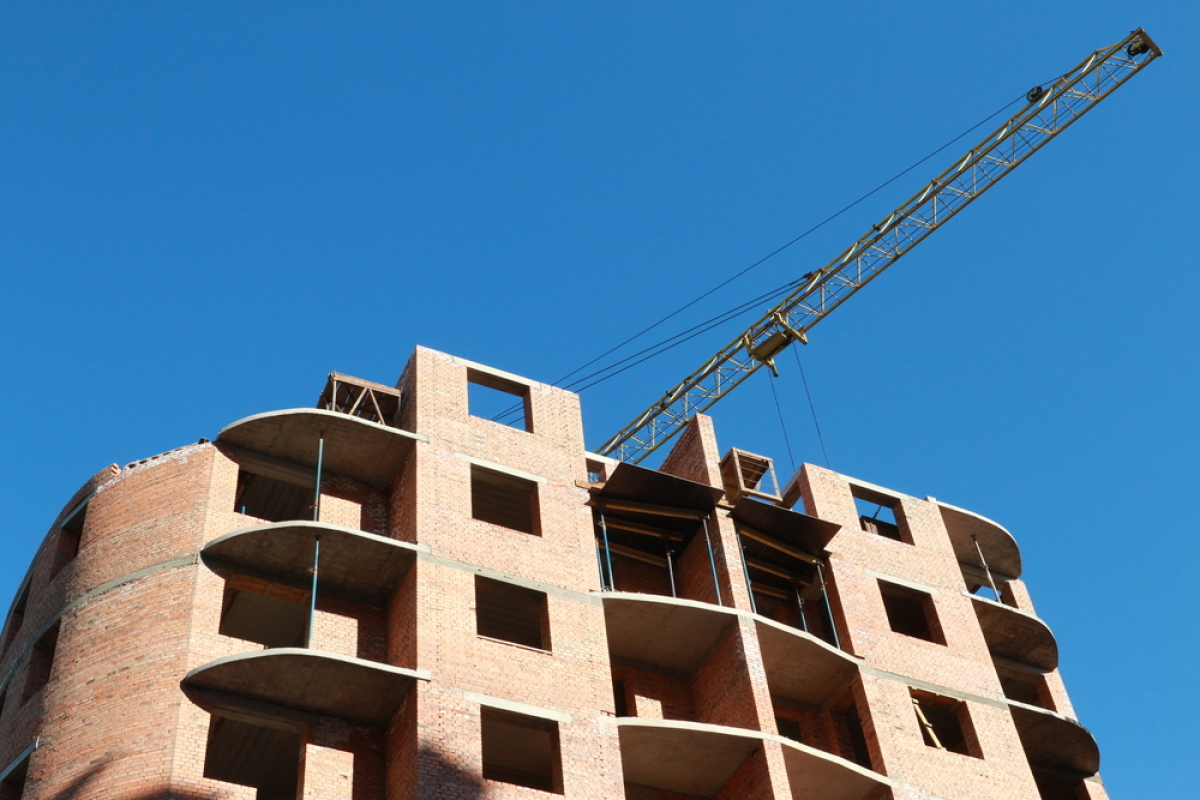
[
  {"x": 650, "y": 508},
  {"x": 638, "y": 555},
  {"x": 762, "y": 538},
  {"x": 645, "y": 530}
]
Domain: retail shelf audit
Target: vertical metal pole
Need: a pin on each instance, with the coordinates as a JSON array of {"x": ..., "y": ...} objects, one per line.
[
  {"x": 320, "y": 460},
  {"x": 670, "y": 566},
  {"x": 983, "y": 561},
  {"x": 612, "y": 581},
  {"x": 600, "y": 564},
  {"x": 712, "y": 561},
  {"x": 746, "y": 572},
  {"x": 800, "y": 606},
  {"x": 312, "y": 608},
  {"x": 837, "y": 642}
]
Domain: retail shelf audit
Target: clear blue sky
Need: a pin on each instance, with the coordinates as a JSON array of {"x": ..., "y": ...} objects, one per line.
[{"x": 207, "y": 207}]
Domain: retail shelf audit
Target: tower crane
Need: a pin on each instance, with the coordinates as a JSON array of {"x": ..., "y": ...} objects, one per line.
[{"x": 1047, "y": 112}]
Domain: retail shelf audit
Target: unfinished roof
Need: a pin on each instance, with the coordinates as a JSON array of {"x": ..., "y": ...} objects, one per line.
[
  {"x": 337, "y": 686},
  {"x": 354, "y": 447},
  {"x": 354, "y": 565}
]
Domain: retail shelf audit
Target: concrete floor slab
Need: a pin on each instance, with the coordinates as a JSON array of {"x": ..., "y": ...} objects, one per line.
[
  {"x": 800, "y": 666},
  {"x": 998, "y": 545},
  {"x": 686, "y": 757},
  {"x": 665, "y": 632},
  {"x": 1052, "y": 740},
  {"x": 354, "y": 447},
  {"x": 309, "y": 680},
  {"x": 1016, "y": 635},
  {"x": 815, "y": 773}
]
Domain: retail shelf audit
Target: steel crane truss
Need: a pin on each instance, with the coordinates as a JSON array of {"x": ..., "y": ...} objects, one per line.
[{"x": 1048, "y": 112}]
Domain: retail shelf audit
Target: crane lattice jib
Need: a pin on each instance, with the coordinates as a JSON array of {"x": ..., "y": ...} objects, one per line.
[{"x": 1048, "y": 112}]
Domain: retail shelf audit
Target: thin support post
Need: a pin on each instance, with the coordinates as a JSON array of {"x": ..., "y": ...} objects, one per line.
[
  {"x": 312, "y": 607},
  {"x": 712, "y": 561},
  {"x": 746, "y": 572},
  {"x": 987, "y": 571},
  {"x": 670, "y": 566},
  {"x": 612, "y": 581},
  {"x": 837, "y": 642},
  {"x": 320, "y": 463},
  {"x": 600, "y": 565},
  {"x": 800, "y": 607}
]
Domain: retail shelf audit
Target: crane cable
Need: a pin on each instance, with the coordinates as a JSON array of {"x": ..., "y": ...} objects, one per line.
[{"x": 622, "y": 365}]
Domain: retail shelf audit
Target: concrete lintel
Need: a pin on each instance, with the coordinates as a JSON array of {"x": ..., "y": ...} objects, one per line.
[
  {"x": 970, "y": 697},
  {"x": 492, "y": 465},
  {"x": 495, "y": 373},
  {"x": 920, "y": 587},
  {"x": 591, "y": 598},
  {"x": 525, "y": 709},
  {"x": 871, "y": 487}
]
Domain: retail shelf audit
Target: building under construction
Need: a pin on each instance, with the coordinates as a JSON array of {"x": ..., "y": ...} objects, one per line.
[
  {"x": 394, "y": 596},
  {"x": 387, "y": 597}
]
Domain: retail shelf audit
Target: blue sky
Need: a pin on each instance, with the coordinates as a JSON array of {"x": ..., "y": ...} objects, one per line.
[{"x": 206, "y": 208}]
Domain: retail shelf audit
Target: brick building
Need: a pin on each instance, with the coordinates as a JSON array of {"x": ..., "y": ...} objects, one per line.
[{"x": 499, "y": 613}]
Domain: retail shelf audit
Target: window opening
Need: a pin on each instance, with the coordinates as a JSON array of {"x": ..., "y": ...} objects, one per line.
[
  {"x": 850, "y": 722},
  {"x": 257, "y": 754},
  {"x": 499, "y": 400},
  {"x": 70, "y": 535},
  {"x": 521, "y": 750},
  {"x": 504, "y": 500},
  {"x": 16, "y": 617},
  {"x": 274, "y": 497},
  {"x": 945, "y": 723},
  {"x": 789, "y": 728},
  {"x": 597, "y": 471},
  {"x": 1025, "y": 687},
  {"x": 41, "y": 659},
  {"x": 620, "y": 699},
  {"x": 877, "y": 514},
  {"x": 911, "y": 612},
  {"x": 262, "y": 612},
  {"x": 3, "y": 700},
  {"x": 511, "y": 613}
]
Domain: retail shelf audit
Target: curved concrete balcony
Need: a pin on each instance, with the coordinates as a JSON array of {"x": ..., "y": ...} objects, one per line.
[
  {"x": 697, "y": 759},
  {"x": 354, "y": 565},
  {"x": 998, "y": 545},
  {"x": 321, "y": 683},
  {"x": 1016, "y": 635},
  {"x": 354, "y": 447},
  {"x": 799, "y": 665},
  {"x": 815, "y": 773},
  {"x": 692, "y": 758},
  {"x": 1052, "y": 740},
  {"x": 665, "y": 632}
]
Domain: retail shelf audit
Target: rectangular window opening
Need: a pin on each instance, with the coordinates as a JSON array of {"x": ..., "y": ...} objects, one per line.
[
  {"x": 1025, "y": 687},
  {"x": 620, "y": 699},
  {"x": 945, "y": 723},
  {"x": 266, "y": 613},
  {"x": 499, "y": 400},
  {"x": 521, "y": 750},
  {"x": 911, "y": 612},
  {"x": 276, "y": 497},
  {"x": 511, "y": 613},
  {"x": 877, "y": 514},
  {"x": 16, "y": 618},
  {"x": 70, "y": 536},
  {"x": 789, "y": 728},
  {"x": 41, "y": 659},
  {"x": 504, "y": 500},
  {"x": 849, "y": 722},
  {"x": 264, "y": 756}
]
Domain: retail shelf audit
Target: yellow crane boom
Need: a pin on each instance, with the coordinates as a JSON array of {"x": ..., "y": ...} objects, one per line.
[{"x": 1047, "y": 113}]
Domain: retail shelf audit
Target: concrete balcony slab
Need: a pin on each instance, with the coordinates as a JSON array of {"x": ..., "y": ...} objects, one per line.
[
  {"x": 665, "y": 632},
  {"x": 354, "y": 565},
  {"x": 998, "y": 545},
  {"x": 354, "y": 447},
  {"x": 309, "y": 680},
  {"x": 815, "y": 773},
  {"x": 691, "y": 758},
  {"x": 799, "y": 665},
  {"x": 1016, "y": 635},
  {"x": 1052, "y": 740}
]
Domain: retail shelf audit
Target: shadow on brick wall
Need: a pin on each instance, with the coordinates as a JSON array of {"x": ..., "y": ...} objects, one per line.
[{"x": 442, "y": 779}]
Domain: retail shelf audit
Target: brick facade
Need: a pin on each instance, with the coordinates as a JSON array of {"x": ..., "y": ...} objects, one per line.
[{"x": 165, "y": 644}]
